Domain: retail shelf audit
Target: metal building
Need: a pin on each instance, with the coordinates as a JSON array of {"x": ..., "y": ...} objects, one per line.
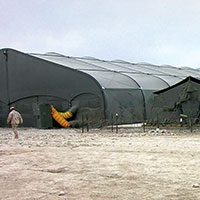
[{"x": 98, "y": 89}]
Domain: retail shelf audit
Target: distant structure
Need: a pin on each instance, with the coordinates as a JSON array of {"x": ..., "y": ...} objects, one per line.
[
  {"x": 179, "y": 103},
  {"x": 103, "y": 92}
]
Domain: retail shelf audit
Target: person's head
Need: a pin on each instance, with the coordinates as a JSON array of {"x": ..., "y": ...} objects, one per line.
[{"x": 12, "y": 108}]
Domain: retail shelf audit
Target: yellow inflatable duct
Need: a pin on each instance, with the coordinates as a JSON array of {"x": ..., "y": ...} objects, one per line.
[
  {"x": 60, "y": 117},
  {"x": 66, "y": 115}
]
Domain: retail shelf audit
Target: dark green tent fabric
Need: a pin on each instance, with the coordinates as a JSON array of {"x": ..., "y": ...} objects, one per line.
[
  {"x": 181, "y": 100},
  {"x": 99, "y": 89}
]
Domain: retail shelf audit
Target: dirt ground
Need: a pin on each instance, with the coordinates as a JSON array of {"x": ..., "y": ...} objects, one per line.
[{"x": 99, "y": 165}]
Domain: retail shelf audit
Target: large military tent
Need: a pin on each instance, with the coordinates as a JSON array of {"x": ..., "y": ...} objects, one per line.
[
  {"x": 99, "y": 89},
  {"x": 178, "y": 102}
]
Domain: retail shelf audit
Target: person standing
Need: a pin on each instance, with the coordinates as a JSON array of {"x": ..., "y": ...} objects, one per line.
[{"x": 14, "y": 118}]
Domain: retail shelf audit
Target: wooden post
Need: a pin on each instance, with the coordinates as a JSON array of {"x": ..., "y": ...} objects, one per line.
[
  {"x": 87, "y": 123},
  {"x": 191, "y": 127},
  {"x": 144, "y": 126},
  {"x": 112, "y": 121},
  {"x": 82, "y": 124},
  {"x": 116, "y": 115}
]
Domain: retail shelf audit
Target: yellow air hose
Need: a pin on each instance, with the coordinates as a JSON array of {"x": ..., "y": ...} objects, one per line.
[
  {"x": 66, "y": 115},
  {"x": 59, "y": 118}
]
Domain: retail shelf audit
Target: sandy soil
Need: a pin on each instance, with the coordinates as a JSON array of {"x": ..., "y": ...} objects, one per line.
[{"x": 100, "y": 165}]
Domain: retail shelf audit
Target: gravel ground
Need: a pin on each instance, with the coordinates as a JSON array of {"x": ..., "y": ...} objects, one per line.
[{"x": 99, "y": 164}]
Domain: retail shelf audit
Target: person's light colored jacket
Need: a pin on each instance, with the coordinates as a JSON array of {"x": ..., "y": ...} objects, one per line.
[{"x": 14, "y": 117}]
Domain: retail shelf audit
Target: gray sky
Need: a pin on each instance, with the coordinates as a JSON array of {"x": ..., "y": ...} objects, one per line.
[{"x": 154, "y": 31}]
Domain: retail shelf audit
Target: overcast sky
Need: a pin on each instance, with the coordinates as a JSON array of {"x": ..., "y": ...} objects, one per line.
[{"x": 153, "y": 31}]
